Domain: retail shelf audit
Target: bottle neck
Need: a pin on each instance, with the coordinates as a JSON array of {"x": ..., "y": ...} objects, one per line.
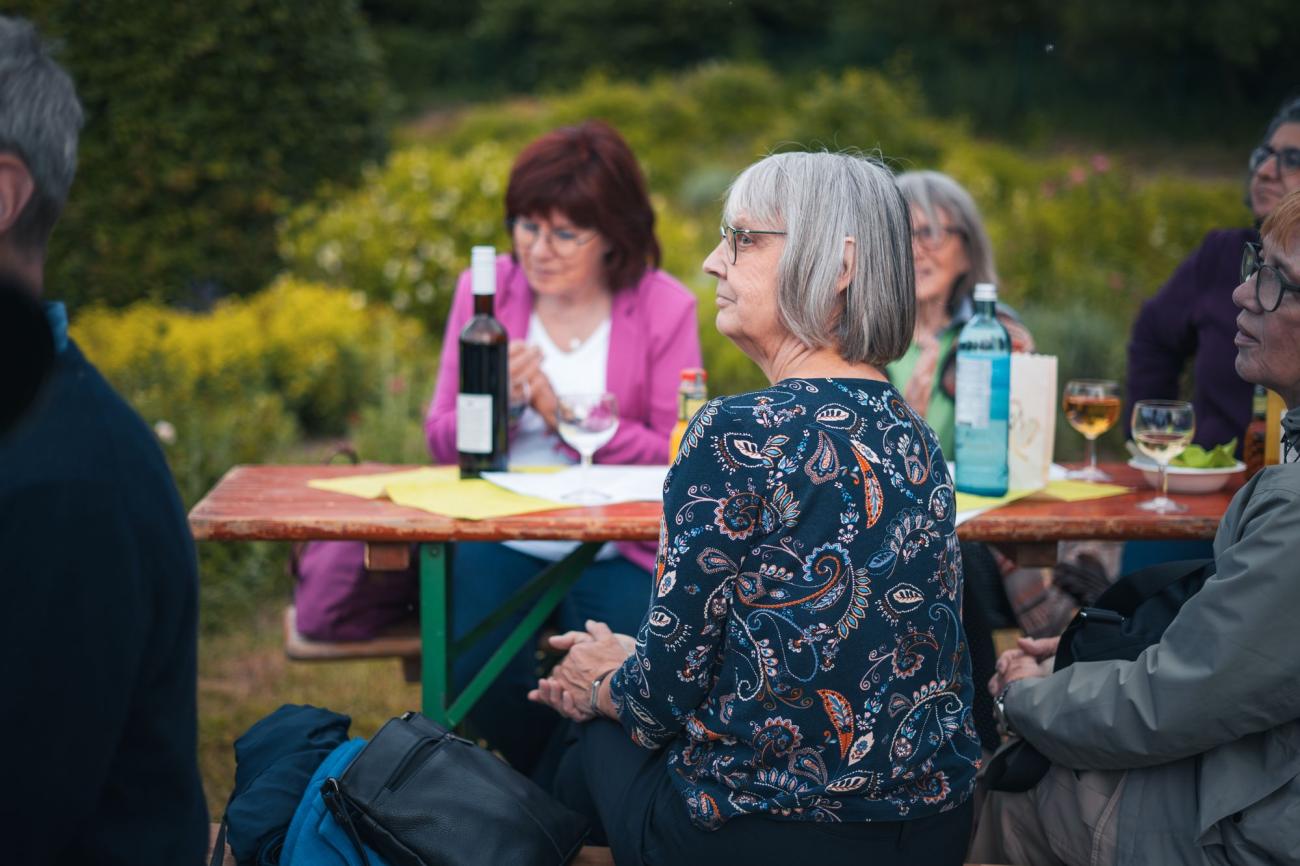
[
  {"x": 986, "y": 308},
  {"x": 483, "y": 304}
]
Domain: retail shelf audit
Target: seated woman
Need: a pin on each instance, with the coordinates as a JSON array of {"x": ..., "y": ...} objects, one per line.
[
  {"x": 1191, "y": 752},
  {"x": 952, "y": 253},
  {"x": 799, "y": 686},
  {"x": 587, "y": 310},
  {"x": 1192, "y": 318}
]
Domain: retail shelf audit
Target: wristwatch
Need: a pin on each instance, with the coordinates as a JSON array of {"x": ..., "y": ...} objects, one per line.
[
  {"x": 594, "y": 703},
  {"x": 1000, "y": 713}
]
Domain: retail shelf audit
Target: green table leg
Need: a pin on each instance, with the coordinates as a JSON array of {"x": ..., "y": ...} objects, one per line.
[
  {"x": 548, "y": 588},
  {"x": 435, "y": 632}
]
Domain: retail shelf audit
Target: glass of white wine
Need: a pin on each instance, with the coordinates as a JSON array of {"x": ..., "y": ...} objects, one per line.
[
  {"x": 587, "y": 422},
  {"x": 1092, "y": 407},
  {"x": 1162, "y": 429}
]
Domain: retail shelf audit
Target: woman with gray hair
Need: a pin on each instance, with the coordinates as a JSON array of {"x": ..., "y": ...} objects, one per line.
[
  {"x": 952, "y": 253},
  {"x": 799, "y": 685}
]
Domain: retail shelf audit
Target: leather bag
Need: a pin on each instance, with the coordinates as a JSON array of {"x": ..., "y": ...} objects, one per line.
[{"x": 422, "y": 796}]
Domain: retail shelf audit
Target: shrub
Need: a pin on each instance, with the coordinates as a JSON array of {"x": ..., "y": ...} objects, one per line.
[
  {"x": 203, "y": 121},
  {"x": 240, "y": 385}
]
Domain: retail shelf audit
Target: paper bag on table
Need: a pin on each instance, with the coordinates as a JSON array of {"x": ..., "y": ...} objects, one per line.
[{"x": 1032, "y": 427}]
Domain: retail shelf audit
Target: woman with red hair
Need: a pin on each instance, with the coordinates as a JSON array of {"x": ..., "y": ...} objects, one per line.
[{"x": 587, "y": 310}]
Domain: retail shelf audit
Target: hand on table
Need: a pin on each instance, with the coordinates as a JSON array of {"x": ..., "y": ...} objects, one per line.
[
  {"x": 590, "y": 653},
  {"x": 1031, "y": 659}
]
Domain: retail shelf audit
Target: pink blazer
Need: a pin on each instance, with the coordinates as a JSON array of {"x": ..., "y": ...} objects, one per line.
[{"x": 653, "y": 336}]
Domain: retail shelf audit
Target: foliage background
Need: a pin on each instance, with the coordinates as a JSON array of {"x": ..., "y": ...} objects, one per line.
[
  {"x": 204, "y": 121},
  {"x": 275, "y": 196}
]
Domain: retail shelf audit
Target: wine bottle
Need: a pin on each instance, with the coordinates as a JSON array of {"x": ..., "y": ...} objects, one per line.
[
  {"x": 482, "y": 403},
  {"x": 983, "y": 398}
]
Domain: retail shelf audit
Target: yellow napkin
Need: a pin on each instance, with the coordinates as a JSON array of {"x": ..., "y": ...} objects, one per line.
[
  {"x": 373, "y": 486},
  {"x": 1080, "y": 491},
  {"x": 972, "y": 502},
  {"x": 440, "y": 490},
  {"x": 472, "y": 499}
]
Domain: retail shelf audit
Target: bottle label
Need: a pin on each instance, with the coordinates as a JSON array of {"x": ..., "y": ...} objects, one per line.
[
  {"x": 474, "y": 423},
  {"x": 974, "y": 392}
]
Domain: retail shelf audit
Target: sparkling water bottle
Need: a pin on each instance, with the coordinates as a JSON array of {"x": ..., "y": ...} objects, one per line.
[{"x": 983, "y": 398}]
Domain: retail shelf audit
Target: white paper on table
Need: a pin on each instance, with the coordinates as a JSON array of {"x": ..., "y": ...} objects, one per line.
[{"x": 619, "y": 483}]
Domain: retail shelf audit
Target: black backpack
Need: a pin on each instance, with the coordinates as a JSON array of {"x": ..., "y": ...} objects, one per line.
[{"x": 1126, "y": 619}]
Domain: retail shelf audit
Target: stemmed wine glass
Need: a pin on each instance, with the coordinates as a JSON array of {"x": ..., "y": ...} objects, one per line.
[
  {"x": 1092, "y": 407},
  {"x": 587, "y": 422},
  {"x": 1162, "y": 429}
]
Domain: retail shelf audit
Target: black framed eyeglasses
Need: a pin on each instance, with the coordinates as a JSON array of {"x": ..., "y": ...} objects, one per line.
[
  {"x": 738, "y": 239},
  {"x": 1269, "y": 282},
  {"x": 1288, "y": 158}
]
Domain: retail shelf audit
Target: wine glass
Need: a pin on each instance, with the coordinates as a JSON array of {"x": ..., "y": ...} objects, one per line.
[
  {"x": 587, "y": 422},
  {"x": 1092, "y": 407},
  {"x": 1162, "y": 429}
]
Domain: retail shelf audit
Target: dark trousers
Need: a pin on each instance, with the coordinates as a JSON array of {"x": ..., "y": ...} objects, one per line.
[
  {"x": 626, "y": 793},
  {"x": 484, "y": 575}
]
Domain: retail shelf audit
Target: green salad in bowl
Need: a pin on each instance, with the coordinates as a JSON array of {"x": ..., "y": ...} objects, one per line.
[{"x": 1218, "y": 457}]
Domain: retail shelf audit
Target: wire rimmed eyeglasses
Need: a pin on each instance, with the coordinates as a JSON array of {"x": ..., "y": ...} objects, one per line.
[
  {"x": 738, "y": 238},
  {"x": 1269, "y": 282},
  {"x": 563, "y": 241}
]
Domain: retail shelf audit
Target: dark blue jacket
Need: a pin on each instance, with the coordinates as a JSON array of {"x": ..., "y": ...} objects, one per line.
[{"x": 98, "y": 634}]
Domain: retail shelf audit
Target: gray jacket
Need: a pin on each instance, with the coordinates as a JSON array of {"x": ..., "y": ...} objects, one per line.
[{"x": 1207, "y": 722}]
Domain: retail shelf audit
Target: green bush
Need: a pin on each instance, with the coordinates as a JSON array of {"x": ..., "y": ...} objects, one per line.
[
  {"x": 242, "y": 384},
  {"x": 204, "y": 121}
]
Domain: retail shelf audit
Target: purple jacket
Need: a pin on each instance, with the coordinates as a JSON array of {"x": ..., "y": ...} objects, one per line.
[
  {"x": 1193, "y": 317},
  {"x": 653, "y": 335}
]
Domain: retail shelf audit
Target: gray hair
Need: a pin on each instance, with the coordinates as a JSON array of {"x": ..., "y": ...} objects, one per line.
[
  {"x": 931, "y": 192},
  {"x": 820, "y": 199},
  {"x": 40, "y": 119}
]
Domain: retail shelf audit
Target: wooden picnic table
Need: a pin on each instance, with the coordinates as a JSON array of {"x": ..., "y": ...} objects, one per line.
[{"x": 274, "y": 503}]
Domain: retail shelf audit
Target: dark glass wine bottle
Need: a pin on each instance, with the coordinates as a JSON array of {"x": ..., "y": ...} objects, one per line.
[{"x": 482, "y": 403}]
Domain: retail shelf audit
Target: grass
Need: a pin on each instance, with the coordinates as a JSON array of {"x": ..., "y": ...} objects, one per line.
[{"x": 244, "y": 675}]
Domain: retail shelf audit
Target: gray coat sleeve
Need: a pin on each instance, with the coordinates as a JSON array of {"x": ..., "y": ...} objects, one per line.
[{"x": 1228, "y": 665}]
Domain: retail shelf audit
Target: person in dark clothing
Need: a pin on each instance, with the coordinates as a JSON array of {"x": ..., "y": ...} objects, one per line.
[
  {"x": 1192, "y": 317},
  {"x": 99, "y": 626}
]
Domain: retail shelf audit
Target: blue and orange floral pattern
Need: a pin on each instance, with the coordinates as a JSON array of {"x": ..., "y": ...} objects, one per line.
[{"x": 803, "y": 655}]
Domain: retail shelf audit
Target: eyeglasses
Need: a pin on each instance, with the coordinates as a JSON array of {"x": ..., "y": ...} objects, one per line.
[
  {"x": 934, "y": 237},
  {"x": 741, "y": 239},
  {"x": 1288, "y": 158},
  {"x": 564, "y": 242},
  {"x": 1269, "y": 282}
]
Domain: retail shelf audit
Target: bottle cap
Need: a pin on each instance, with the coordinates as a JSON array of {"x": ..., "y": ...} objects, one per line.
[
  {"x": 692, "y": 374},
  {"x": 986, "y": 292},
  {"x": 483, "y": 270}
]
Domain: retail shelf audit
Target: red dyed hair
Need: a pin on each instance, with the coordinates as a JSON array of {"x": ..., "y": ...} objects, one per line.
[{"x": 588, "y": 174}]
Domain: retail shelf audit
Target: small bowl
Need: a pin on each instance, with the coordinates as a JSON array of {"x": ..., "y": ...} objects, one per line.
[{"x": 1184, "y": 479}]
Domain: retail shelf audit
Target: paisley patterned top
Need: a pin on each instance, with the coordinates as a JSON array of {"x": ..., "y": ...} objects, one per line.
[{"x": 803, "y": 656}]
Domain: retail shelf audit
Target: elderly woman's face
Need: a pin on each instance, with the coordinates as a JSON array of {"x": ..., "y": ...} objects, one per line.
[
  {"x": 558, "y": 257},
  {"x": 939, "y": 252},
  {"x": 1272, "y": 180},
  {"x": 746, "y": 295},
  {"x": 1268, "y": 344}
]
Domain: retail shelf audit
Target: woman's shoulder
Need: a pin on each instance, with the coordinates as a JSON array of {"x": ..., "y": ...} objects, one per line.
[{"x": 803, "y": 401}]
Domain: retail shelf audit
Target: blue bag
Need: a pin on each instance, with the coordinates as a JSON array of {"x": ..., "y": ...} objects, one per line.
[{"x": 315, "y": 838}]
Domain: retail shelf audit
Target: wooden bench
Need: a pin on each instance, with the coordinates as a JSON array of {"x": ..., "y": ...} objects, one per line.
[{"x": 400, "y": 642}]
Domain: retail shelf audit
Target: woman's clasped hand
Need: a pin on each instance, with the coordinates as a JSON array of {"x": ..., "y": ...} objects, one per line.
[{"x": 588, "y": 654}]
